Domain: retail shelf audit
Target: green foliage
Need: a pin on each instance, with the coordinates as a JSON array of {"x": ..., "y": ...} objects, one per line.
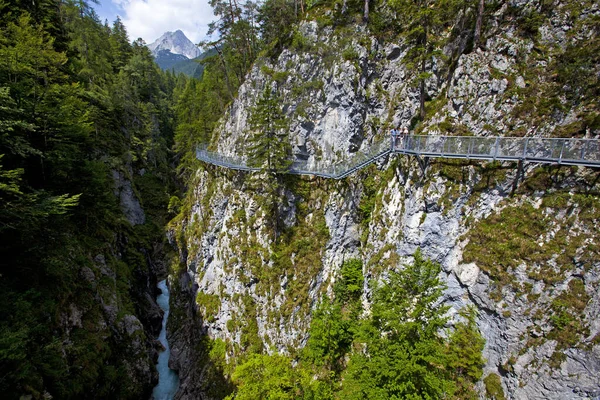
[
  {"x": 333, "y": 328},
  {"x": 493, "y": 387},
  {"x": 368, "y": 199},
  {"x": 331, "y": 335},
  {"x": 464, "y": 360},
  {"x": 269, "y": 147},
  {"x": 250, "y": 340},
  {"x": 174, "y": 205},
  {"x": 300, "y": 42},
  {"x": 402, "y": 354},
  {"x": 277, "y": 18},
  {"x": 350, "y": 285},
  {"x": 71, "y": 119},
  {"x": 530, "y": 19},
  {"x": 568, "y": 319},
  {"x": 209, "y": 305},
  {"x": 266, "y": 377},
  {"x": 350, "y": 54}
]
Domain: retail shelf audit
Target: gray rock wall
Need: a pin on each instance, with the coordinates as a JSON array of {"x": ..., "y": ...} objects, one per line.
[{"x": 341, "y": 95}]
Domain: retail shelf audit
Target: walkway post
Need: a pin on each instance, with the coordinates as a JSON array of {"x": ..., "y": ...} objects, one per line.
[
  {"x": 525, "y": 149},
  {"x": 470, "y": 148},
  {"x": 496, "y": 148},
  {"x": 561, "y": 151}
]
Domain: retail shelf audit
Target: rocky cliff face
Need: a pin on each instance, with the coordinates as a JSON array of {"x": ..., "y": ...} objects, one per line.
[{"x": 521, "y": 249}]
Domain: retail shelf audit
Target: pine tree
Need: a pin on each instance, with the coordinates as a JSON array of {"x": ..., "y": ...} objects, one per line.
[
  {"x": 119, "y": 43},
  {"x": 403, "y": 353},
  {"x": 464, "y": 360},
  {"x": 424, "y": 23},
  {"x": 269, "y": 147}
]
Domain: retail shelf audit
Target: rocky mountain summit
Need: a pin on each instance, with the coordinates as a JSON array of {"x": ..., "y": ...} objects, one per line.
[
  {"x": 176, "y": 43},
  {"x": 175, "y": 52}
]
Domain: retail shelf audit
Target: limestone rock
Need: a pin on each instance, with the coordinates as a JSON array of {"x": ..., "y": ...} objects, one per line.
[{"x": 467, "y": 274}]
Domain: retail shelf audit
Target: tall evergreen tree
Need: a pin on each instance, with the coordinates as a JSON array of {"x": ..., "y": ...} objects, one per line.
[
  {"x": 403, "y": 354},
  {"x": 119, "y": 44},
  {"x": 269, "y": 147},
  {"x": 463, "y": 355},
  {"x": 424, "y": 22}
]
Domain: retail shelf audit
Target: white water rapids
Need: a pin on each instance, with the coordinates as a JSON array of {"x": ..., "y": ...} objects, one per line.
[{"x": 168, "y": 380}]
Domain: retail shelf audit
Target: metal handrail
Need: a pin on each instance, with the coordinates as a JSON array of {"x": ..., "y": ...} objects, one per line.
[{"x": 573, "y": 151}]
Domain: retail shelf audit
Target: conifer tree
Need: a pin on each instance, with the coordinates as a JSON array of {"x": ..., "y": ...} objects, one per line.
[
  {"x": 269, "y": 147},
  {"x": 463, "y": 355},
  {"x": 119, "y": 43},
  {"x": 270, "y": 150},
  {"x": 403, "y": 353},
  {"x": 424, "y": 22}
]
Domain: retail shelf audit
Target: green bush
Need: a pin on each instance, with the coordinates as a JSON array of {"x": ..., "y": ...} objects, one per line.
[
  {"x": 350, "y": 54},
  {"x": 493, "y": 387},
  {"x": 350, "y": 284}
]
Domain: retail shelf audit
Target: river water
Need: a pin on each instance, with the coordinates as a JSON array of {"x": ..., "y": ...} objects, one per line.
[{"x": 168, "y": 380}]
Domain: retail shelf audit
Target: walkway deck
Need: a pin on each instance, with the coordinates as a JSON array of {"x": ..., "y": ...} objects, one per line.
[{"x": 584, "y": 152}]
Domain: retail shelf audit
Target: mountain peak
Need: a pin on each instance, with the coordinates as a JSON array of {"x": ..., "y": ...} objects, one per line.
[{"x": 177, "y": 43}]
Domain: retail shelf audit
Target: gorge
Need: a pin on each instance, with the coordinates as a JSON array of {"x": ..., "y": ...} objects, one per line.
[{"x": 407, "y": 278}]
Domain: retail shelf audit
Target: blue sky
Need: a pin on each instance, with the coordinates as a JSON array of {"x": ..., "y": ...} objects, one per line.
[{"x": 149, "y": 19}]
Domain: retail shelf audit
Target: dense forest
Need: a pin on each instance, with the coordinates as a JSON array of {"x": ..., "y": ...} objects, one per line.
[{"x": 86, "y": 124}]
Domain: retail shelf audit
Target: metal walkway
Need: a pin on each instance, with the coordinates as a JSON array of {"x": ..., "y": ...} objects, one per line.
[{"x": 584, "y": 152}]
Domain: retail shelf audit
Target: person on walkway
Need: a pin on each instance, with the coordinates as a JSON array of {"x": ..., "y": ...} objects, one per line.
[
  {"x": 399, "y": 141},
  {"x": 404, "y": 134},
  {"x": 394, "y": 134}
]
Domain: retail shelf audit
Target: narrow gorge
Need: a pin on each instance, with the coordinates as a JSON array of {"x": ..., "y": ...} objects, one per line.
[
  {"x": 168, "y": 381},
  {"x": 133, "y": 267}
]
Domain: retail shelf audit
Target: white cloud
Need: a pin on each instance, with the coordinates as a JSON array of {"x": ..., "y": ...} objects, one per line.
[{"x": 149, "y": 19}]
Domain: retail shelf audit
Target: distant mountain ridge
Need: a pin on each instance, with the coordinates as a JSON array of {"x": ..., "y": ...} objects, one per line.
[{"x": 177, "y": 43}]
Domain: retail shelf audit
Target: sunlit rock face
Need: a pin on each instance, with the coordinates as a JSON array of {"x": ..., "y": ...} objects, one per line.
[
  {"x": 341, "y": 90},
  {"x": 176, "y": 43}
]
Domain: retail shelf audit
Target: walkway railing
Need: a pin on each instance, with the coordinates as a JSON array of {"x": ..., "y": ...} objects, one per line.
[
  {"x": 585, "y": 152},
  {"x": 301, "y": 167},
  {"x": 571, "y": 151}
]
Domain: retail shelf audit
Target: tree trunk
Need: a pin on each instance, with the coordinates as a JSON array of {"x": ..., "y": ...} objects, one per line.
[
  {"x": 422, "y": 81},
  {"x": 366, "y": 13},
  {"x": 229, "y": 89},
  {"x": 422, "y": 95},
  {"x": 478, "y": 24},
  {"x": 232, "y": 12}
]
